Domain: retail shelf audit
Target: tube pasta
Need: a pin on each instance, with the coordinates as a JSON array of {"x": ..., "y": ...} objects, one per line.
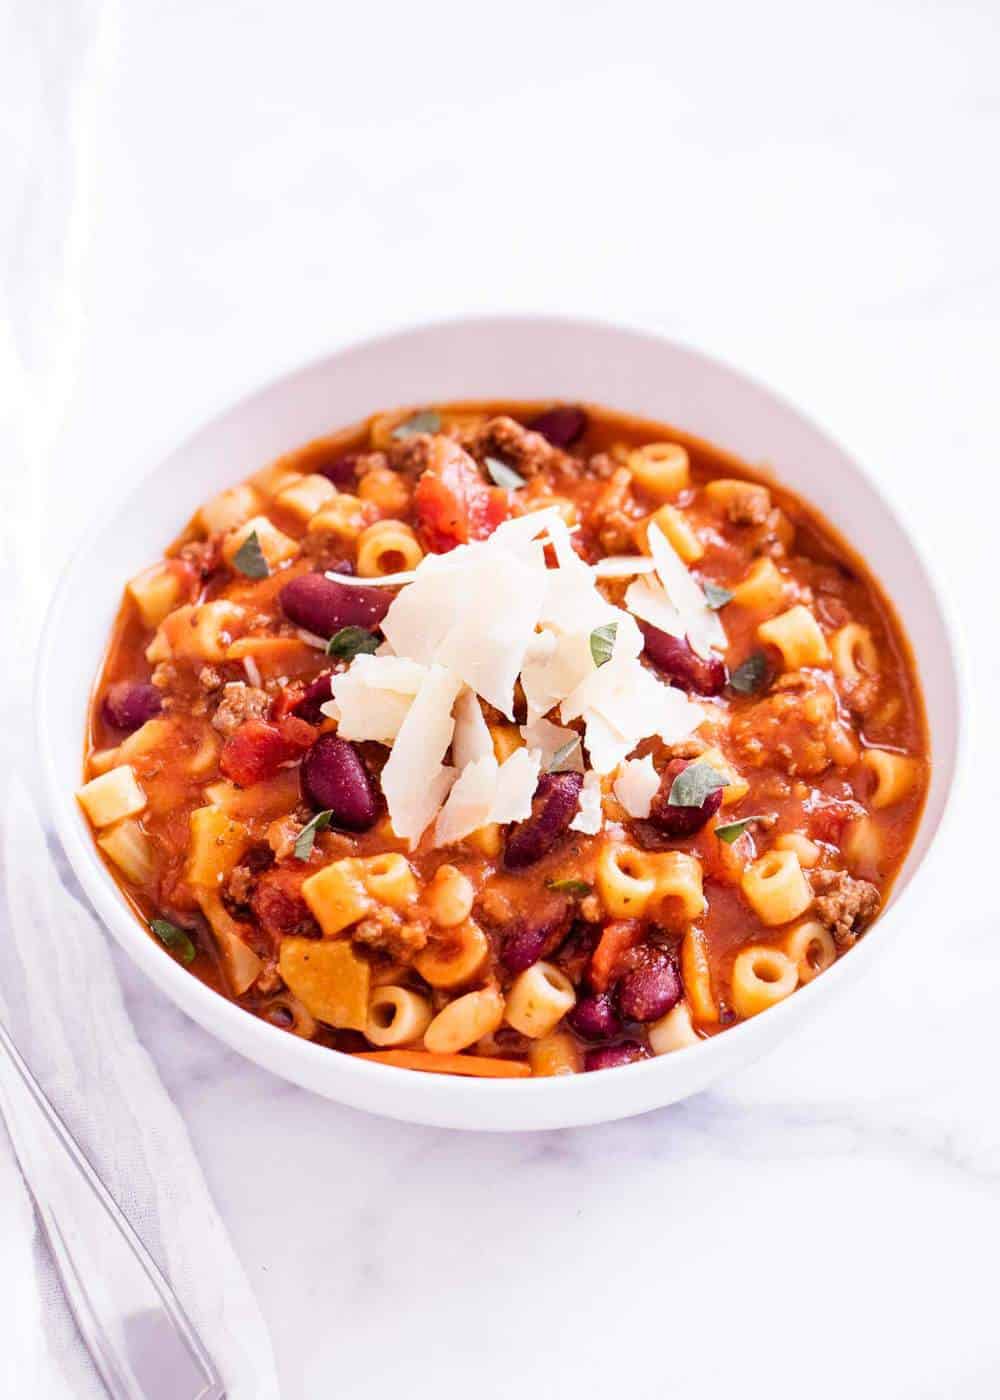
[
  {"x": 538, "y": 999},
  {"x": 775, "y": 887},
  {"x": 448, "y": 898},
  {"x": 811, "y": 948},
  {"x": 673, "y": 1031},
  {"x": 229, "y": 509},
  {"x": 626, "y": 880},
  {"x": 761, "y": 977},
  {"x": 386, "y": 490},
  {"x": 345, "y": 516},
  {"x": 678, "y": 876},
  {"x": 455, "y": 958},
  {"x": 554, "y": 1054},
  {"x": 305, "y": 497},
  {"x": 797, "y": 635},
  {"x": 275, "y": 545},
  {"x": 464, "y": 1021},
  {"x": 661, "y": 468},
  {"x": 854, "y": 652},
  {"x": 807, "y": 852},
  {"x": 396, "y": 1016},
  {"x": 387, "y": 547},
  {"x": 895, "y": 776}
]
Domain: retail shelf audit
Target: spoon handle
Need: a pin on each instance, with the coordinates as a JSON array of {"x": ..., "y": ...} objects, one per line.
[{"x": 142, "y": 1344}]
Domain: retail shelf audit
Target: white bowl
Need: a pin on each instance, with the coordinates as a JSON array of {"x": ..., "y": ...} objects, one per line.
[{"x": 520, "y": 357}]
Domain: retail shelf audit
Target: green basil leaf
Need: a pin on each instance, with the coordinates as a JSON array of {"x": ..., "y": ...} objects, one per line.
[
  {"x": 577, "y": 887},
  {"x": 750, "y": 675},
  {"x": 307, "y": 836},
  {"x": 732, "y": 831},
  {"x": 174, "y": 939},
  {"x": 249, "y": 558},
  {"x": 602, "y": 643},
  {"x": 427, "y": 421},
  {"x": 350, "y": 641},
  {"x": 559, "y": 762},
  {"x": 715, "y": 595},
  {"x": 694, "y": 784},
  {"x": 503, "y": 475}
]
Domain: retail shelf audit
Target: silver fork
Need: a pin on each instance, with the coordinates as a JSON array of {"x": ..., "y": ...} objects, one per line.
[{"x": 141, "y": 1342}]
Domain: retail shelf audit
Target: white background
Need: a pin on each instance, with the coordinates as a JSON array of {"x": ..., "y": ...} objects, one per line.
[{"x": 211, "y": 192}]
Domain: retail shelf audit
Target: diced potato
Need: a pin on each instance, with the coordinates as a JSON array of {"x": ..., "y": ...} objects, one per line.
[
  {"x": 305, "y": 497},
  {"x": 678, "y": 531},
  {"x": 131, "y": 850},
  {"x": 241, "y": 964},
  {"x": 275, "y": 545},
  {"x": 329, "y": 978},
  {"x": 154, "y": 734},
  {"x": 156, "y": 592},
  {"x": 337, "y": 895},
  {"x": 217, "y": 842},
  {"x": 268, "y": 798},
  {"x": 229, "y": 509},
  {"x": 274, "y": 656},
  {"x": 345, "y": 516},
  {"x": 112, "y": 796},
  {"x": 196, "y": 632}
]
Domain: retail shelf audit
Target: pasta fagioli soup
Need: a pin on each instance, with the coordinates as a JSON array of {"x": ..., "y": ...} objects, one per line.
[{"x": 506, "y": 740}]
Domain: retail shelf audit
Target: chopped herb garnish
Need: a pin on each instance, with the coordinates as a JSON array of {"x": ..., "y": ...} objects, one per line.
[
  {"x": 173, "y": 938},
  {"x": 249, "y": 558},
  {"x": 715, "y": 595},
  {"x": 503, "y": 475},
  {"x": 694, "y": 784},
  {"x": 350, "y": 641},
  {"x": 560, "y": 760},
  {"x": 750, "y": 675},
  {"x": 427, "y": 421},
  {"x": 307, "y": 836},
  {"x": 732, "y": 831},
  {"x": 602, "y": 642},
  {"x": 576, "y": 887}
]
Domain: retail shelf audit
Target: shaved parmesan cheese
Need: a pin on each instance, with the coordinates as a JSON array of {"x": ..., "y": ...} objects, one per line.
[
  {"x": 622, "y": 703},
  {"x": 378, "y": 581},
  {"x": 623, "y": 566},
  {"x": 673, "y": 602},
  {"x": 516, "y": 783},
  {"x": 415, "y": 780},
  {"x": 549, "y": 738},
  {"x": 590, "y": 814},
  {"x": 636, "y": 785},
  {"x": 469, "y": 803},
  {"x": 472, "y": 738}
]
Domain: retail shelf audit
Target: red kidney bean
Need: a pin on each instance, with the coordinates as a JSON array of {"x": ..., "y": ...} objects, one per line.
[
  {"x": 317, "y": 693},
  {"x": 555, "y": 801},
  {"x": 129, "y": 704},
  {"x": 682, "y": 665},
  {"x": 649, "y": 990},
  {"x": 334, "y": 778},
  {"x": 676, "y": 822},
  {"x": 561, "y": 426},
  {"x": 531, "y": 939},
  {"x": 342, "y": 472},
  {"x": 594, "y": 1017},
  {"x": 611, "y": 1056},
  {"x": 322, "y": 605}
]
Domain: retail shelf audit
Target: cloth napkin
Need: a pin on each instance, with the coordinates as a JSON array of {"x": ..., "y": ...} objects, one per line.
[{"x": 60, "y": 998}]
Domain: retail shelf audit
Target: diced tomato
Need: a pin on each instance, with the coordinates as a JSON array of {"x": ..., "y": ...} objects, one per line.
[
  {"x": 287, "y": 699},
  {"x": 453, "y": 503},
  {"x": 615, "y": 941},
  {"x": 257, "y": 749},
  {"x": 278, "y": 904}
]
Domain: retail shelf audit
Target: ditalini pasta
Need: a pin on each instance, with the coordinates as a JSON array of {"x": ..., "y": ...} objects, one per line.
[{"x": 506, "y": 740}]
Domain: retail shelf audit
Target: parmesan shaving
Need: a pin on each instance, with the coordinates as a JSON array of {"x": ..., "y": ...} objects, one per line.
[
  {"x": 378, "y": 581},
  {"x": 636, "y": 785},
  {"x": 590, "y": 815},
  {"x": 549, "y": 738},
  {"x": 673, "y": 602},
  {"x": 414, "y": 779},
  {"x": 624, "y": 566}
]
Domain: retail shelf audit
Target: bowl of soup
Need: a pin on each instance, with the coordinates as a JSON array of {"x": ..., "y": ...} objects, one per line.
[{"x": 506, "y": 723}]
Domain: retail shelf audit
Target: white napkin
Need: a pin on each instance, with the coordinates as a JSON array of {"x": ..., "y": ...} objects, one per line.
[{"x": 60, "y": 998}]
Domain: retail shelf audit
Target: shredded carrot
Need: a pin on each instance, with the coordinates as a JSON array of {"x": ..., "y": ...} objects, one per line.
[
  {"x": 616, "y": 939},
  {"x": 479, "y": 1066}
]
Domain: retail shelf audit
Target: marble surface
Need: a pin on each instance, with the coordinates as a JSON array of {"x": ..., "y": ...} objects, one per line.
[{"x": 808, "y": 192}]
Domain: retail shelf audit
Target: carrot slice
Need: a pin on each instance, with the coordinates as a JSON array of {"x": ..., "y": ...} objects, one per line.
[
  {"x": 617, "y": 938},
  {"x": 479, "y": 1066}
]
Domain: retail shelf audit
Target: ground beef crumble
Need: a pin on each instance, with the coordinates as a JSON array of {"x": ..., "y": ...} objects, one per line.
[
  {"x": 527, "y": 452},
  {"x": 843, "y": 904},
  {"x": 387, "y": 932},
  {"x": 239, "y": 702},
  {"x": 750, "y": 506}
]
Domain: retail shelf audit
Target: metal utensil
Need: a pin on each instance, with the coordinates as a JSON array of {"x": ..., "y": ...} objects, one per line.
[{"x": 141, "y": 1342}]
